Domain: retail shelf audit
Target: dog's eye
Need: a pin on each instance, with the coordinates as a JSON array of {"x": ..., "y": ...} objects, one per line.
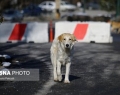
[
  {"x": 69, "y": 39},
  {"x": 64, "y": 39}
]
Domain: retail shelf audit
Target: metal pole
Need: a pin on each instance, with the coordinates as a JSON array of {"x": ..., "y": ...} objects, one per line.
[
  {"x": 118, "y": 8},
  {"x": 84, "y": 5},
  {"x": 57, "y": 11}
]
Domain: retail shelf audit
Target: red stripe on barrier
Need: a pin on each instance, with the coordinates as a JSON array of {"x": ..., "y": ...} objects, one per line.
[
  {"x": 18, "y": 32},
  {"x": 80, "y": 31}
]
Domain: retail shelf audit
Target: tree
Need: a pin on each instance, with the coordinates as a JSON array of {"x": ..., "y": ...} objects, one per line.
[{"x": 108, "y": 5}]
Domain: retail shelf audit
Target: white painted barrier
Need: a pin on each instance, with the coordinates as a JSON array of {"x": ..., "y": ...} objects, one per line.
[
  {"x": 5, "y": 31},
  {"x": 30, "y": 32},
  {"x": 98, "y": 32},
  {"x": 36, "y": 32}
]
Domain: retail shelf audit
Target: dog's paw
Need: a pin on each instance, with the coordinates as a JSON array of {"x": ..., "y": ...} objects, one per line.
[
  {"x": 55, "y": 79},
  {"x": 66, "y": 81},
  {"x": 60, "y": 78}
]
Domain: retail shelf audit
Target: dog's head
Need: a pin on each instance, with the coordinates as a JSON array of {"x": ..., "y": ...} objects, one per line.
[{"x": 67, "y": 40}]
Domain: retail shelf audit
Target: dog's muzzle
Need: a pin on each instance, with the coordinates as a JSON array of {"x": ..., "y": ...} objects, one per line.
[{"x": 67, "y": 45}]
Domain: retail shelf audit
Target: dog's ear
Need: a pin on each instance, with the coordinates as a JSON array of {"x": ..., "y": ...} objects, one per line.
[
  {"x": 60, "y": 37},
  {"x": 74, "y": 38}
]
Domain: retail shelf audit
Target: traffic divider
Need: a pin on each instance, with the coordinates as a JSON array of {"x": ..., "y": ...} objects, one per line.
[
  {"x": 98, "y": 32},
  {"x": 22, "y": 32},
  {"x": 36, "y": 32},
  {"x": 5, "y": 31}
]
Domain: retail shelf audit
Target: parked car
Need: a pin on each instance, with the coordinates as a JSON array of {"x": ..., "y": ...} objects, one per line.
[
  {"x": 12, "y": 15},
  {"x": 51, "y": 6},
  {"x": 32, "y": 10},
  {"x": 67, "y": 6},
  {"x": 93, "y": 6},
  {"x": 47, "y": 6}
]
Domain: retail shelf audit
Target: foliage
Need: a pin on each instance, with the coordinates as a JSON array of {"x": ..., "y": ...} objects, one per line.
[{"x": 108, "y": 5}]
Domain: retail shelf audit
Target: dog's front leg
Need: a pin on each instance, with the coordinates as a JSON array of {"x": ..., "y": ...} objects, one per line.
[
  {"x": 67, "y": 73},
  {"x": 55, "y": 72},
  {"x": 54, "y": 62},
  {"x": 59, "y": 71}
]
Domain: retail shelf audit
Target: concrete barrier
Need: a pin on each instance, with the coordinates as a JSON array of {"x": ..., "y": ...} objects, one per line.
[
  {"x": 36, "y": 32},
  {"x": 5, "y": 31},
  {"x": 98, "y": 32},
  {"x": 22, "y": 32}
]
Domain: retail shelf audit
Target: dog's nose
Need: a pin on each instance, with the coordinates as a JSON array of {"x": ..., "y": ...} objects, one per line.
[{"x": 67, "y": 45}]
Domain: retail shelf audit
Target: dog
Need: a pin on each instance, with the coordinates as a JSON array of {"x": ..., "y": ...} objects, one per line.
[{"x": 61, "y": 54}]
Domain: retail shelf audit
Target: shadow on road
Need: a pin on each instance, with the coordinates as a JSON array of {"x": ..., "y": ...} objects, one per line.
[
  {"x": 71, "y": 77},
  {"x": 116, "y": 38}
]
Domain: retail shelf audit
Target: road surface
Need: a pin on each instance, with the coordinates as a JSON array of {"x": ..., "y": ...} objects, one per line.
[{"x": 95, "y": 70}]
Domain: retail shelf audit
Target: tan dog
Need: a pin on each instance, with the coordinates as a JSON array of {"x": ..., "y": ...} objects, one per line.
[{"x": 61, "y": 53}]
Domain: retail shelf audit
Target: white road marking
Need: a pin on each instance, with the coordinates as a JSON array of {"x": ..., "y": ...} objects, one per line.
[{"x": 48, "y": 84}]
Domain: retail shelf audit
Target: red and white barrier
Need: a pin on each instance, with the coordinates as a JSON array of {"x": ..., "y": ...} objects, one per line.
[
  {"x": 37, "y": 32},
  {"x": 5, "y": 31},
  {"x": 31, "y": 32},
  {"x": 97, "y": 32}
]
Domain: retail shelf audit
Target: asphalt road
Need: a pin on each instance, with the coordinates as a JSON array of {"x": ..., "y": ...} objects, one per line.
[
  {"x": 95, "y": 70},
  {"x": 30, "y": 56}
]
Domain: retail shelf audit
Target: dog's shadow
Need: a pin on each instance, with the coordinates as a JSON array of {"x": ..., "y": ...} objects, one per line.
[{"x": 71, "y": 77}]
